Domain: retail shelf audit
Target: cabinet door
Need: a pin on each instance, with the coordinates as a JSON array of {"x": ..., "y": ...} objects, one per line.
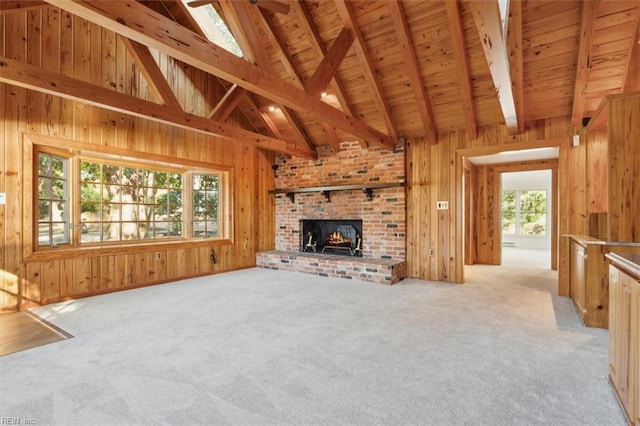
[
  {"x": 625, "y": 379},
  {"x": 635, "y": 356},
  {"x": 614, "y": 319},
  {"x": 578, "y": 290}
]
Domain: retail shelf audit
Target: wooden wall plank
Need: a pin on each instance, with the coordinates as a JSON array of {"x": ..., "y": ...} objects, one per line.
[{"x": 624, "y": 168}]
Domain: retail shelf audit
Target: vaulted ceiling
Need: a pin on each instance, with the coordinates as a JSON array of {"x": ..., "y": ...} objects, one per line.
[{"x": 322, "y": 72}]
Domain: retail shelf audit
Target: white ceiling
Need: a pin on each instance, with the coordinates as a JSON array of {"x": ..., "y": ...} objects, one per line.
[{"x": 516, "y": 156}]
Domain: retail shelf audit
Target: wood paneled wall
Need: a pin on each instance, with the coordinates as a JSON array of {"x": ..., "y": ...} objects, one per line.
[
  {"x": 486, "y": 210},
  {"x": 435, "y": 238},
  {"x": 59, "y": 42}
]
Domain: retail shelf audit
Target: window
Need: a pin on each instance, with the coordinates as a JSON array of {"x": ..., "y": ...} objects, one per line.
[
  {"x": 524, "y": 212},
  {"x": 205, "y": 206},
  {"x": 89, "y": 199},
  {"x": 119, "y": 203},
  {"x": 213, "y": 26},
  {"x": 53, "y": 200}
]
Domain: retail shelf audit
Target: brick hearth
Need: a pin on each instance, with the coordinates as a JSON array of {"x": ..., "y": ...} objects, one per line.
[{"x": 381, "y": 271}]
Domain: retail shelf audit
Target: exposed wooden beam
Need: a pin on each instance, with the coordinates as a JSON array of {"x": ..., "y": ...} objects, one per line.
[
  {"x": 151, "y": 72},
  {"x": 274, "y": 6},
  {"x": 137, "y": 22},
  {"x": 239, "y": 18},
  {"x": 345, "y": 10},
  {"x": 8, "y": 6},
  {"x": 331, "y": 137},
  {"x": 37, "y": 79},
  {"x": 320, "y": 50},
  {"x": 514, "y": 43},
  {"x": 413, "y": 69},
  {"x": 489, "y": 25},
  {"x": 589, "y": 8},
  {"x": 287, "y": 61},
  {"x": 227, "y": 104},
  {"x": 330, "y": 63},
  {"x": 298, "y": 128},
  {"x": 459, "y": 50}
]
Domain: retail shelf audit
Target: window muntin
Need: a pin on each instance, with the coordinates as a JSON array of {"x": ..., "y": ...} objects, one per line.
[
  {"x": 120, "y": 203},
  {"x": 524, "y": 212},
  {"x": 53, "y": 200}
]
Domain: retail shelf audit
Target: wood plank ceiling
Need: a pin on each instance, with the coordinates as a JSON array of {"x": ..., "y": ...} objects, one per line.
[{"x": 319, "y": 72}]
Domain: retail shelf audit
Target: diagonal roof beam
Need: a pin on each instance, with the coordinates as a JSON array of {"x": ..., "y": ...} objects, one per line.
[
  {"x": 345, "y": 10},
  {"x": 514, "y": 44},
  {"x": 238, "y": 17},
  {"x": 287, "y": 61},
  {"x": 135, "y": 21},
  {"x": 413, "y": 68},
  {"x": 457, "y": 39},
  {"x": 33, "y": 78},
  {"x": 330, "y": 63},
  {"x": 317, "y": 45},
  {"x": 489, "y": 25},
  {"x": 227, "y": 104},
  {"x": 589, "y": 8},
  {"x": 151, "y": 72}
]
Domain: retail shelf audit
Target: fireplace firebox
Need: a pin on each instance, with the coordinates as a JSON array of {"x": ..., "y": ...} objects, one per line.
[{"x": 335, "y": 236}]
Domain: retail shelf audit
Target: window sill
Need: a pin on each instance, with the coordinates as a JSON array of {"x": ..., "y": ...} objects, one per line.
[{"x": 78, "y": 252}]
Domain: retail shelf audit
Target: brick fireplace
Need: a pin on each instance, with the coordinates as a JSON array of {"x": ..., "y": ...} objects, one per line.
[{"x": 381, "y": 212}]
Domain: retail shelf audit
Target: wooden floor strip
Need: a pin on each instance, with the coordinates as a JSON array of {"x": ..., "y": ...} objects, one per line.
[{"x": 25, "y": 330}]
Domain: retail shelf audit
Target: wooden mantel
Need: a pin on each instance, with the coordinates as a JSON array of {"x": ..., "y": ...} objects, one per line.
[{"x": 326, "y": 190}]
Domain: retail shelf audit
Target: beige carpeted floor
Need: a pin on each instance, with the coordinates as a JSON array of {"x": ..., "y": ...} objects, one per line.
[{"x": 270, "y": 347}]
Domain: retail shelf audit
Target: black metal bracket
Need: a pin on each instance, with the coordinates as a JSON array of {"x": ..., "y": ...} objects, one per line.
[
  {"x": 292, "y": 196},
  {"x": 327, "y": 195},
  {"x": 369, "y": 192}
]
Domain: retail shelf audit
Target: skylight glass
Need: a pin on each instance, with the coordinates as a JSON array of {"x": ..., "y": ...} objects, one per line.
[
  {"x": 214, "y": 27},
  {"x": 503, "y": 5}
]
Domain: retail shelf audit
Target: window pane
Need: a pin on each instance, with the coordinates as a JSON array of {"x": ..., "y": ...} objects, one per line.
[
  {"x": 110, "y": 174},
  {"x": 44, "y": 164},
  {"x": 130, "y": 231},
  {"x": 508, "y": 206},
  {"x": 533, "y": 206},
  {"x": 59, "y": 232},
  {"x": 44, "y": 213},
  {"x": 111, "y": 231},
  {"x": 57, "y": 167},
  {"x": 176, "y": 229},
  {"x": 44, "y": 188},
  {"x": 57, "y": 211},
  {"x": 58, "y": 189},
  {"x": 44, "y": 230},
  {"x": 89, "y": 172}
]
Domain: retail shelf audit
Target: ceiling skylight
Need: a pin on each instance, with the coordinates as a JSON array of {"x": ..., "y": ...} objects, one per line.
[{"x": 214, "y": 27}]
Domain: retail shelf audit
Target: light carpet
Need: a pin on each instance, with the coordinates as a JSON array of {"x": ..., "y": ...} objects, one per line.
[{"x": 270, "y": 347}]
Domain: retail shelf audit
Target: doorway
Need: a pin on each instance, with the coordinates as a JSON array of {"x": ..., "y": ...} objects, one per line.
[{"x": 526, "y": 218}]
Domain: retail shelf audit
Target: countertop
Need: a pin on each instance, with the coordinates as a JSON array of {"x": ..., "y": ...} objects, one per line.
[
  {"x": 585, "y": 240},
  {"x": 630, "y": 262}
]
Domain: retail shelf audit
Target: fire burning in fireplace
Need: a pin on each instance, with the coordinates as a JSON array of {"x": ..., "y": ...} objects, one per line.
[
  {"x": 332, "y": 236},
  {"x": 337, "y": 239}
]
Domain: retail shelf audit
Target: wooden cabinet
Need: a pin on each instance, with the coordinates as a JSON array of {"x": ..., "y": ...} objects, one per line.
[
  {"x": 612, "y": 167},
  {"x": 624, "y": 339}
]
